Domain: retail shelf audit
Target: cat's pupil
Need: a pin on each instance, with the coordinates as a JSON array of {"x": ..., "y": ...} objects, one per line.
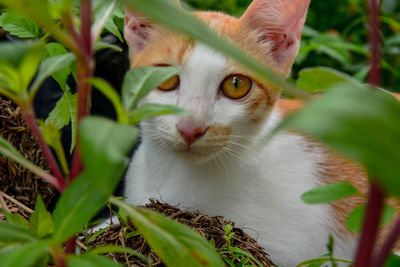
[{"x": 236, "y": 82}]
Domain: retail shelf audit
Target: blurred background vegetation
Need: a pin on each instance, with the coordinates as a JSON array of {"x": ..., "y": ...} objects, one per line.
[{"x": 336, "y": 36}]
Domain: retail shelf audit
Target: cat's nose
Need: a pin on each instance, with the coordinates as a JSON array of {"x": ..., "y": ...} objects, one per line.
[{"x": 191, "y": 134}]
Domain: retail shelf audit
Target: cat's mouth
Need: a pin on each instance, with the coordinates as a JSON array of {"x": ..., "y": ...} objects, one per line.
[{"x": 196, "y": 153}]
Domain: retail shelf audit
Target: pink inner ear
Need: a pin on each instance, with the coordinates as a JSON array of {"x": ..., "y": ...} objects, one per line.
[
  {"x": 137, "y": 30},
  {"x": 277, "y": 16},
  {"x": 279, "y": 21}
]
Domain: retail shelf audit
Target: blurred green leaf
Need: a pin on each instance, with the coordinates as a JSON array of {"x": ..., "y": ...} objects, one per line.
[
  {"x": 13, "y": 233},
  {"x": 116, "y": 249},
  {"x": 328, "y": 193},
  {"x": 56, "y": 66},
  {"x": 107, "y": 90},
  {"x": 176, "y": 244},
  {"x": 30, "y": 64},
  {"x": 138, "y": 82},
  {"x": 359, "y": 122},
  {"x": 18, "y": 25},
  {"x": 393, "y": 261},
  {"x": 104, "y": 144},
  {"x": 90, "y": 261},
  {"x": 321, "y": 78},
  {"x": 12, "y": 53},
  {"x": 355, "y": 220},
  {"x": 25, "y": 255},
  {"x": 61, "y": 67},
  {"x": 102, "y": 45},
  {"x": 15, "y": 219},
  {"x": 41, "y": 221},
  {"x": 64, "y": 113},
  {"x": 151, "y": 110}
]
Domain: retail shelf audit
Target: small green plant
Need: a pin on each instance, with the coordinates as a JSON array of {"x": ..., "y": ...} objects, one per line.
[{"x": 233, "y": 255}]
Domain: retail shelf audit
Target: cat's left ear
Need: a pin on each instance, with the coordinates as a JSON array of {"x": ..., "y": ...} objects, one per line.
[
  {"x": 280, "y": 22},
  {"x": 137, "y": 30}
]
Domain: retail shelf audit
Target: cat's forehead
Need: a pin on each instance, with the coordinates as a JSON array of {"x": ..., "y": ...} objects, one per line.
[{"x": 167, "y": 47}]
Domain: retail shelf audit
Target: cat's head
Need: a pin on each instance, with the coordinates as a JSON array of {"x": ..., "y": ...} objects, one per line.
[{"x": 227, "y": 105}]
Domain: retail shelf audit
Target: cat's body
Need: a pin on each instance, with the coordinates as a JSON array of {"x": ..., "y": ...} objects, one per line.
[{"x": 217, "y": 159}]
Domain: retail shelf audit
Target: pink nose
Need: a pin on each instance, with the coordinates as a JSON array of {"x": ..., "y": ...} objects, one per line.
[{"x": 191, "y": 135}]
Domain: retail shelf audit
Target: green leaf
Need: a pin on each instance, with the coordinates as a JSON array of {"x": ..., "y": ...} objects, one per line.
[
  {"x": 102, "y": 45},
  {"x": 26, "y": 255},
  {"x": 41, "y": 221},
  {"x": 103, "y": 151},
  {"x": 151, "y": 110},
  {"x": 328, "y": 193},
  {"x": 15, "y": 219},
  {"x": 116, "y": 249},
  {"x": 171, "y": 15},
  {"x": 13, "y": 53},
  {"x": 176, "y": 244},
  {"x": 359, "y": 122},
  {"x": 11, "y": 233},
  {"x": 393, "y": 261},
  {"x": 60, "y": 66},
  {"x": 108, "y": 91},
  {"x": 18, "y": 25},
  {"x": 64, "y": 113},
  {"x": 90, "y": 261},
  {"x": 322, "y": 78},
  {"x": 56, "y": 66},
  {"x": 355, "y": 220},
  {"x": 138, "y": 82},
  {"x": 112, "y": 27},
  {"x": 30, "y": 64},
  {"x": 39, "y": 11}
]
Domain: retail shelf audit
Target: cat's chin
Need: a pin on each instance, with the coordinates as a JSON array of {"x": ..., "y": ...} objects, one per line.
[{"x": 195, "y": 155}]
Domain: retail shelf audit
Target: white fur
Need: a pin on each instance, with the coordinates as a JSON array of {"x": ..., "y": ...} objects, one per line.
[{"x": 256, "y": 184}]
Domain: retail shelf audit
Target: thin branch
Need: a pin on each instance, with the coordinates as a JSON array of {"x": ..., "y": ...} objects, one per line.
[
  {"x": 30, "y": 121},
  {"x": 4, "y": 204},
  {"x": 370, "y": 227},
  {"x": 374, "y": 74},
  {"x": 16, "y": 202}
]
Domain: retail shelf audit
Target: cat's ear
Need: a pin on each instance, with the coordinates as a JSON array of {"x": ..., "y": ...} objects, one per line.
[
  {"x": 279, "y": 22},
  {"x": 137, "y": 30}
]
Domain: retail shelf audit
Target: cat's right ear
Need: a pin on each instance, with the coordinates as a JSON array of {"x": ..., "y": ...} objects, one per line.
[{"x": 137, "y": 30}]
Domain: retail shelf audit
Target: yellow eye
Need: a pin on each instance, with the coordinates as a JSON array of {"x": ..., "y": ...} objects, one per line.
[
  {"x": 236, "y": 86},
  {"x": 170, "y": 84}
]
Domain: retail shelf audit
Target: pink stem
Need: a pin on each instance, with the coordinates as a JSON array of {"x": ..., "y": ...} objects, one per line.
[
  {"x": 4, "y": 204},
  {"x": 30, "y": 121},
  {"x": 370, "y": 227},
  {"x": 385, "y": 250},
  {"x": 374, "y": 75}
]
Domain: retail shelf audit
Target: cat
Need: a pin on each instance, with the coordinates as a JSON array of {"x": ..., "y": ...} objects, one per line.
[{"x": 216, "y": 159}]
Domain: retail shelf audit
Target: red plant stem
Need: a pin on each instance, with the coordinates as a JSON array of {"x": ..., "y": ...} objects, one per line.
[
  {"x": 30, "y": 121},
  {"x": 374, "y": 74},
  {"x": 389, "y": 242},
  {"x": 370, "y": 227},
  {"x": 70, "y": 245},
  {"x": 86, "y": 23},
  {"x": 4, "y": 204},
  {"x": 60, "y": 260}
]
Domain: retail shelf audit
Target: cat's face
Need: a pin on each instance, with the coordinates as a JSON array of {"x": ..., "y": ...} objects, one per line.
[{"x": 227, "y": 105}]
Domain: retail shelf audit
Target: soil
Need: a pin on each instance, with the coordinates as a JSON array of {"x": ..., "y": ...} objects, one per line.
[{"x": 19, "y": 189}]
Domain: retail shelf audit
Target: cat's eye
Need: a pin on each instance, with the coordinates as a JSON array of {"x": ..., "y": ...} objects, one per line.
[
  {"x": 236, "y": 86},
  {"x": 170, "y": 84}
]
